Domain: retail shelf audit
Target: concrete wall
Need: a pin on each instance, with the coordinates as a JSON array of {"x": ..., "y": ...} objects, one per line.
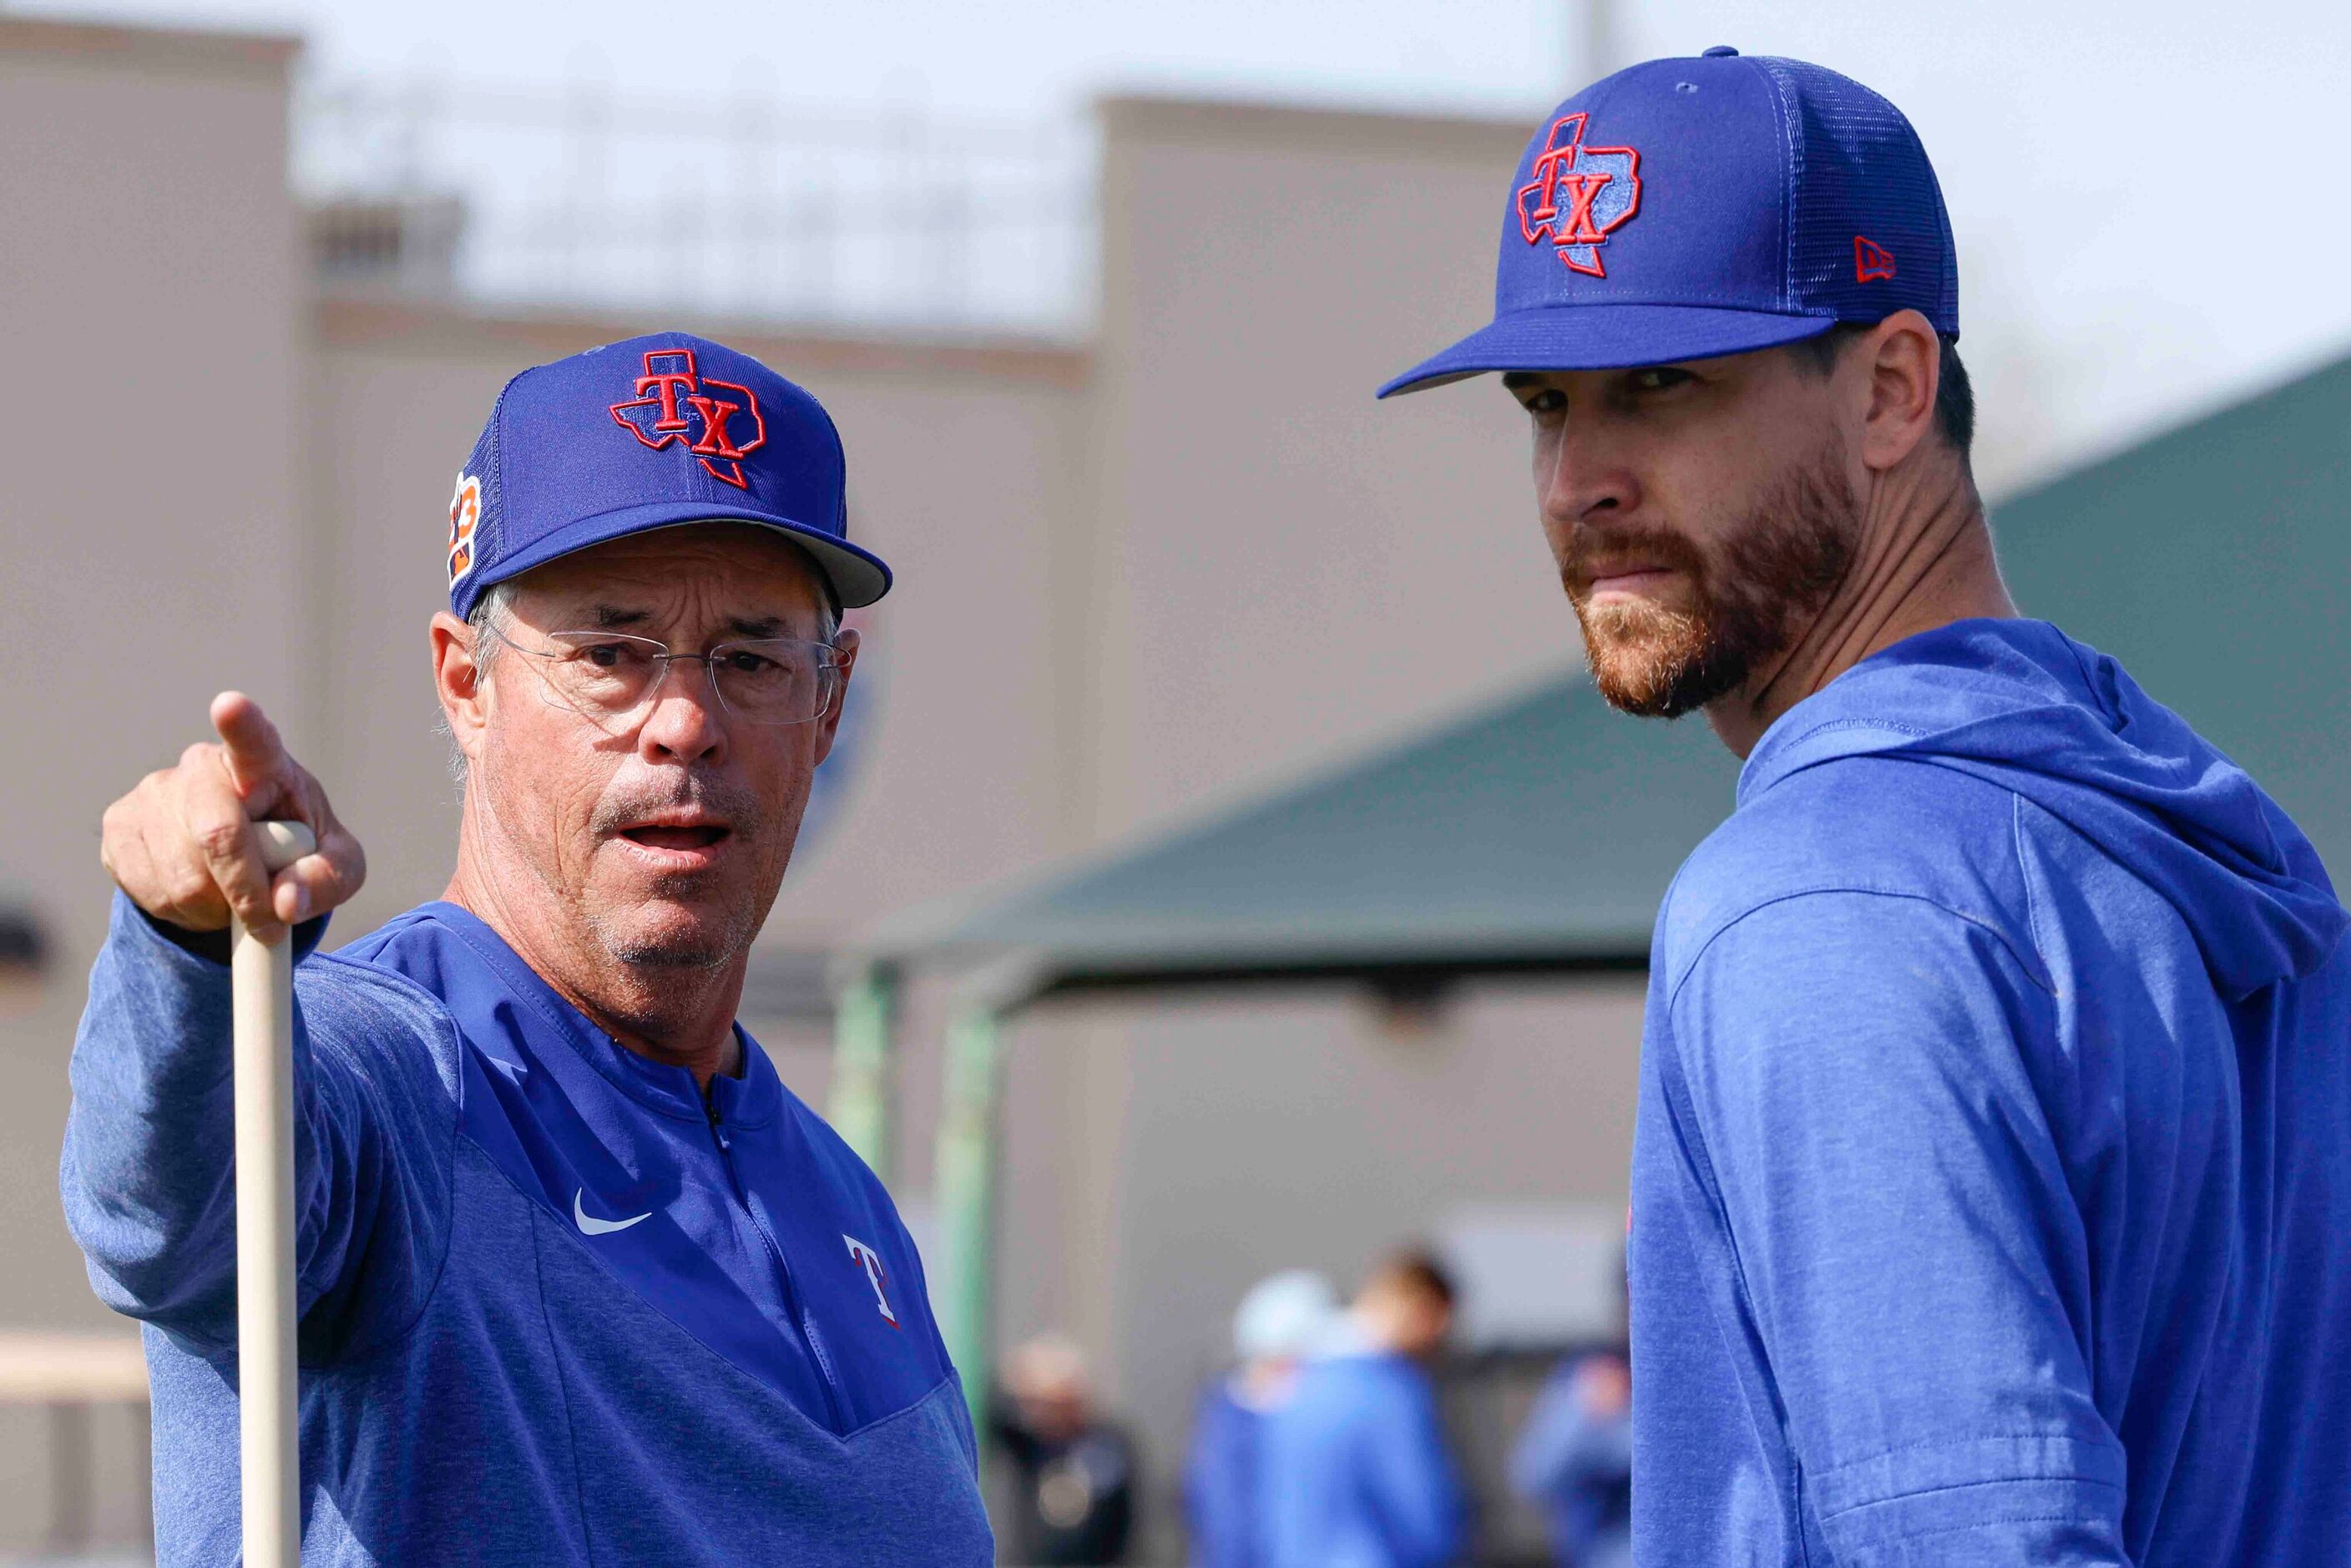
[
  {"x": 152, "y": 303},
  {"x": 1284, "y": 572},
  {"x": 1288, "y": 570}
]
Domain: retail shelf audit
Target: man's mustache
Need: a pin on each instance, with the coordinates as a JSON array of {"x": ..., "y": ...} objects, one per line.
[
  {"x": 1593, "y": 548},
  {"x": 722, "y": 802}
]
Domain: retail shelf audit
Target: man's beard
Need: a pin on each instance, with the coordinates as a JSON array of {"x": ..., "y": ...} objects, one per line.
[
  {"x": 620, "y": 937},
  {"x": 737, "y": 924},
  {"x": 698, "y": 951},
  {"x": 1775, "y": 570}
]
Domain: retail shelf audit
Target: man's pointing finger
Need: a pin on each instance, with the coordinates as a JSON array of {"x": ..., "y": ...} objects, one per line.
[{"x": 250, "y": 744}]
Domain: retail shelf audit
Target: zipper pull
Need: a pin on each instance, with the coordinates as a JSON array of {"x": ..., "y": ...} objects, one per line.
[{"x": 710, "y": 1109}]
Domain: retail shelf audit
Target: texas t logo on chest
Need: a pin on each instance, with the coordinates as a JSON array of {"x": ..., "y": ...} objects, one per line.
[
  {"x": 718, "y": 421},
  {"x": 876, "y": 1272},
  {"x": 1579, "y": 195}
]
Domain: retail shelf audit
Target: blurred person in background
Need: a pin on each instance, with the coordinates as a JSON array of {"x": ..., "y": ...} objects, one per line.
[
  {"x": 1991, "y": 1178},
  {"x": 1074, "y": 1501},
  {"x": 1356, "y": 1473},
  {"x": 1283, "y": 1318},
  {"x": 1574, "y": 1456}
]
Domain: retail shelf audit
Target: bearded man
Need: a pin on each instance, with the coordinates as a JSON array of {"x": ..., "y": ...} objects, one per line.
[
  {"x": 1993, "y": 1155},
  {"x": 580, "y": 1280}
]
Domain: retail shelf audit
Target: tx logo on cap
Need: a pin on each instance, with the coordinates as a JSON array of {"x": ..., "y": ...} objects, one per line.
[
  {"x": 1579, "y": 195},
  {"x": 674, "y": 404}
]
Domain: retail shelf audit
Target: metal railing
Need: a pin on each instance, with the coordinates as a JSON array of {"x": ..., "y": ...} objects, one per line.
[{"x": 734, "y": 205}]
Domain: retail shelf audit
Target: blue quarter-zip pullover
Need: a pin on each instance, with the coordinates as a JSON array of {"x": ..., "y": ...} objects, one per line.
[
  {"x": 1991, "y": 1186},
  {"x": 556, "y": 1307}
]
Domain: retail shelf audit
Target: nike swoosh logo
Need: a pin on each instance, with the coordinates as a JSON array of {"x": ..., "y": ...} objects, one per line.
[{"x": 590, "y": 1225}]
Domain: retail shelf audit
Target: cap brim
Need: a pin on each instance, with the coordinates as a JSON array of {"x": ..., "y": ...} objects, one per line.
[
  {"x": 858, "y": 577},
  {"x": 1606, "y": 337}
]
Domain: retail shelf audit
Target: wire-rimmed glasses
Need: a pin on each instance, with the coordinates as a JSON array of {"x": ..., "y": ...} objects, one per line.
[{"x": 609, "y": 677}]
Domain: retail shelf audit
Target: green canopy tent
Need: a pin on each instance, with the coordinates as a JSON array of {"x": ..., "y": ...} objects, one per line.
[{"x": 1537, "y": 835}]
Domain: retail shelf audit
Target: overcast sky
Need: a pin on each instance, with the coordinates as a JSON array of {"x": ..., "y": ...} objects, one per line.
[{"x": 2150, "y": 197}]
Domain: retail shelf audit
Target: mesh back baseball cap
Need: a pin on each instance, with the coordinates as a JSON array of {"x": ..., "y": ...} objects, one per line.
[
  {"x": 1686, "y": 208},
  {"x": 653, "y": 433}
]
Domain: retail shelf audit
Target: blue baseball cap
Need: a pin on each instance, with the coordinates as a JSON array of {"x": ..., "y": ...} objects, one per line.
[
  {"x": 1686, "y": 208},
  {"x": 652, "y": 432}
]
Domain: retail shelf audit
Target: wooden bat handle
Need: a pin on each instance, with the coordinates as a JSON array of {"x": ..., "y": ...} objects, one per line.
[{"x": 262, "y": 989}]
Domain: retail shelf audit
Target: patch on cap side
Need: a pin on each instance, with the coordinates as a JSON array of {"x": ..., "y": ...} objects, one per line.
[{"x": 465, "y": 517}]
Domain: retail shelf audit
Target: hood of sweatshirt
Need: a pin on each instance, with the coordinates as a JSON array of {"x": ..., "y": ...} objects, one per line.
[{"x": 2023, "y": 705}]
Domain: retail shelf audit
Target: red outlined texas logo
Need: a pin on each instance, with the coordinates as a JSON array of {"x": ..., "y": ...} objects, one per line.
[
  {"x": 674, "y": 403},
  {"x": 1579, "y": 195}
]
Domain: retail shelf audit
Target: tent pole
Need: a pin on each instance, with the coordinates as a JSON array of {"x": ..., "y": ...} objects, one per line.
[
  {"x": 966, "y": 1194},
  {"x": 865, "y": 1014}
]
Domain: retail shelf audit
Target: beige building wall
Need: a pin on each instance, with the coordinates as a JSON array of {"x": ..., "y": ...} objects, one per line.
[
  {"x": 1284, "y": 573},
  {"x": 1290, "y": 571},
  {"x": 151, "y": 305},
  {"x": 149, "y": 492}
]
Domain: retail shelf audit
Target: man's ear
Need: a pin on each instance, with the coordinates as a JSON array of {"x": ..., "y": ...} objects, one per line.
[
  {"x": 457, "y": 681},
  {"x": 829, "y": 722},
  {"x": 1903, "y": 364}
]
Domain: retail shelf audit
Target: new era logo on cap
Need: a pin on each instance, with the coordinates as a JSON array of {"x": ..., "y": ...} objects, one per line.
[
  {"x": 1689, "y": 208},
  {"x": 1871, "y": 261},
  {"x": 653, "y": 433}
]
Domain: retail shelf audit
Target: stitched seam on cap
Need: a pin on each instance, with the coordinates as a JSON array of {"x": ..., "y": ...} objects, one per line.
[
  {"x": 1792, "y": 170},
  {"x": 496, "y": 480}
]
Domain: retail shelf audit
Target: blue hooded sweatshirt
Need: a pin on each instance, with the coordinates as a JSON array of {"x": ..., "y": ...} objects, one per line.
[
  {"x": 1354, "y": 1469},
  {"x": 556, "y": 1307},
  {"x": 1991, "y": 1187}
]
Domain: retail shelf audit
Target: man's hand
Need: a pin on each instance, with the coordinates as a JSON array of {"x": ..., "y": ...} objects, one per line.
[{"x": 181, "y": 844}]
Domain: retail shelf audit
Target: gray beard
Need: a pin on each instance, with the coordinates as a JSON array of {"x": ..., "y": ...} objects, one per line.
[
  {"x": 700, "y": 952},
  {"x": 732, "y": 803}
]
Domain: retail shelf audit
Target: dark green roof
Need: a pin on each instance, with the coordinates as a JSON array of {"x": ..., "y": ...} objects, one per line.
[{"x": 1540, "y": 833}]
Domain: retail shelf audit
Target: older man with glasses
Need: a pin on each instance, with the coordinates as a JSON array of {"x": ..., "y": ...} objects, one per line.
[{"x": 580, "y": 1279}]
